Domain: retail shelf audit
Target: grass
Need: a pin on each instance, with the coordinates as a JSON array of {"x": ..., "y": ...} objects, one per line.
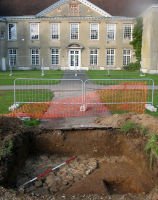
[
  {"x": 120, "y": 74},
  {"x": 132, "y": 127},
  {"x": 152, "y": 148},
  {"x": 5, "y": 79},
  {"x": 31, "y": 122},
  {"x": 7, "y": 98}
]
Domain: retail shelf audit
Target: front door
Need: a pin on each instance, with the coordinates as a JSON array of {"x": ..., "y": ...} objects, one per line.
[{"x": 74, "y": 59}]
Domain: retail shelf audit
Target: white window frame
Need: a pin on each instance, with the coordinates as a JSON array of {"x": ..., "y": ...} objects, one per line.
[
  {"x": 110, "y": 57},
  {"x": 12, "y": 55},
  {"x": 55, "y": 31},
  {"x": 111, "y": 32},
  {"x": 12, "y": 34},
  {"x": 126, "y": 56},
  {"x": 128, "y": 34},
  {"x": 35, "y": 56},
  {"x": 34, "y": 31},
  {"x": 74, "y": 31},
  {"x": 93, "y": 57},
  {"x": 56, "y": 56},
  {"x": 94, "y": 27}
]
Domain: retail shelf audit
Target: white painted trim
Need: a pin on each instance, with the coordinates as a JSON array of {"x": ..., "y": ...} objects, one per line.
[
  {"x": 132, "y": 27},
  {"x": 37, "y": 30},
  {"x": 38, "y": 54},
  {"x": 95, "y": 8},
  {"x": 78, "y": 27},
  {"x": 69, "y": 59},
  {"x": 126, "y": 55},
  {"x": 97, "y": 54},
  {"x": 55, "y": 54},
  {"x": 10, "y": 39},
  {"x": 36, "y": 18},
  {"x": 85, "y": 2},
  {"x": 109, "y": 66},
  {"x": 114, "y": 29},
  {"x": 91, "y": 29},
  {"x": 51, "y": 30}
]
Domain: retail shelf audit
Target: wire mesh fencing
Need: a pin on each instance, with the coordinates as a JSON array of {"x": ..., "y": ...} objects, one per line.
[
  {"x": 54, "y": 98},
  {"x": 119, "y": 94}
]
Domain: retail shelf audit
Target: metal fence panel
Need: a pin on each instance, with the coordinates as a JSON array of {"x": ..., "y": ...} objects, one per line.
[
  {"x": 119, "y": 94},
  {"x": 52, "y": 98}
]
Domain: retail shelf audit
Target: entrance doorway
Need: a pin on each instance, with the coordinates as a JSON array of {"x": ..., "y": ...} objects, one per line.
[{"x": 74, "y": 59}]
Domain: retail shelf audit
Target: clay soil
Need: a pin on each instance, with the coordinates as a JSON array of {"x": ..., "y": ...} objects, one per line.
[{"x": 109, "y": 165}]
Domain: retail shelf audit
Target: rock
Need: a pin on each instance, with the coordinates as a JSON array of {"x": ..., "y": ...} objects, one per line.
[
  {"x": 69, "y": 177},
  {"x": 42, "y": 191},
  {"x": 38, "y": 183},
  {"x": 89, "y": 171},
  {"x": 65, "y": 182},
  {"x": 50, "y": 180},
  {"x": 30, "y": 189},
  {"x": 53, "y": 189}
]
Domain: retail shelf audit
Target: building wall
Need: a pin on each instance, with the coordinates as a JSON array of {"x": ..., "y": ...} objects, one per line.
[
  {"x": 149, "y": 62},
  {"x": 23, "y": 44},
  {"x": 61, "y": 15}
]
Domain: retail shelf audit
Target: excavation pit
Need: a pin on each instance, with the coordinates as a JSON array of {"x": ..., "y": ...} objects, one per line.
[{"x": 106, "y": 162}]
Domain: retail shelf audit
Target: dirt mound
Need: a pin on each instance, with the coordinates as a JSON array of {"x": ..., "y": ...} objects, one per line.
[{"x": 116, "y": 120}]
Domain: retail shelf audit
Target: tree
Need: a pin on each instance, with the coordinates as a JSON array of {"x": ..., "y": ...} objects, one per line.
[{"x": 137, "y": 39}]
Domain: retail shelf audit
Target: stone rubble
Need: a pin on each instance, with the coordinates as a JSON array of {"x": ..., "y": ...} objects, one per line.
[{"x": 59, "y": 180}]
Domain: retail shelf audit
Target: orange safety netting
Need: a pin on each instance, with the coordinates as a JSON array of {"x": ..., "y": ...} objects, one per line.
[
  {"x": 130, "y": 96},
  {"x": 123, "y": 97}
]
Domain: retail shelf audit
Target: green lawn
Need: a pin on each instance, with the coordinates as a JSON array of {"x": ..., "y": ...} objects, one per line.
[
  {"x": 6, "y": 79},
  {"x": 120, "y": 74},
  {"x": 7, "y": 98}
]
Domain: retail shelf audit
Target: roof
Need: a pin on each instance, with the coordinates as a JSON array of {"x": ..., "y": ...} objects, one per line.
[{"x": 127, "y": 8}]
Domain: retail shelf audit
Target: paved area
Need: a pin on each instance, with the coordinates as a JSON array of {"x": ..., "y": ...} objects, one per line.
[
  {"x": 88, "y": 122},
  {"x": 75, "y": 75},
  {"x": 68, "y": 100}
]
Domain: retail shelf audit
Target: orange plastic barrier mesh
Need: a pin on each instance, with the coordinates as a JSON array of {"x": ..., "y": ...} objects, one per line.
[{"x": 125, "y": 97}]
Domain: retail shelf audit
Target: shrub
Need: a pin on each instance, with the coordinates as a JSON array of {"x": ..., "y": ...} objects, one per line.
[
  {"x": 132, "y": 66},
  {"x": 152, "y": 148}
]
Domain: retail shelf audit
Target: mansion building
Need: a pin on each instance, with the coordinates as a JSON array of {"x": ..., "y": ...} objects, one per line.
[{"x": 76, "y": 35}]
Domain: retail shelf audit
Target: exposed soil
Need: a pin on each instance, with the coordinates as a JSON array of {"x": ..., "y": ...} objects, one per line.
[
  {"x": 108, "y": 164},
  {"x": 117, "y": 120}
]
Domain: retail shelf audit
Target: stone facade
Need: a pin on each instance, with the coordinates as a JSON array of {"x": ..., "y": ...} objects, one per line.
[
  {"x": 150, "y": 41},
  {"x": 70, "y": 34}
]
